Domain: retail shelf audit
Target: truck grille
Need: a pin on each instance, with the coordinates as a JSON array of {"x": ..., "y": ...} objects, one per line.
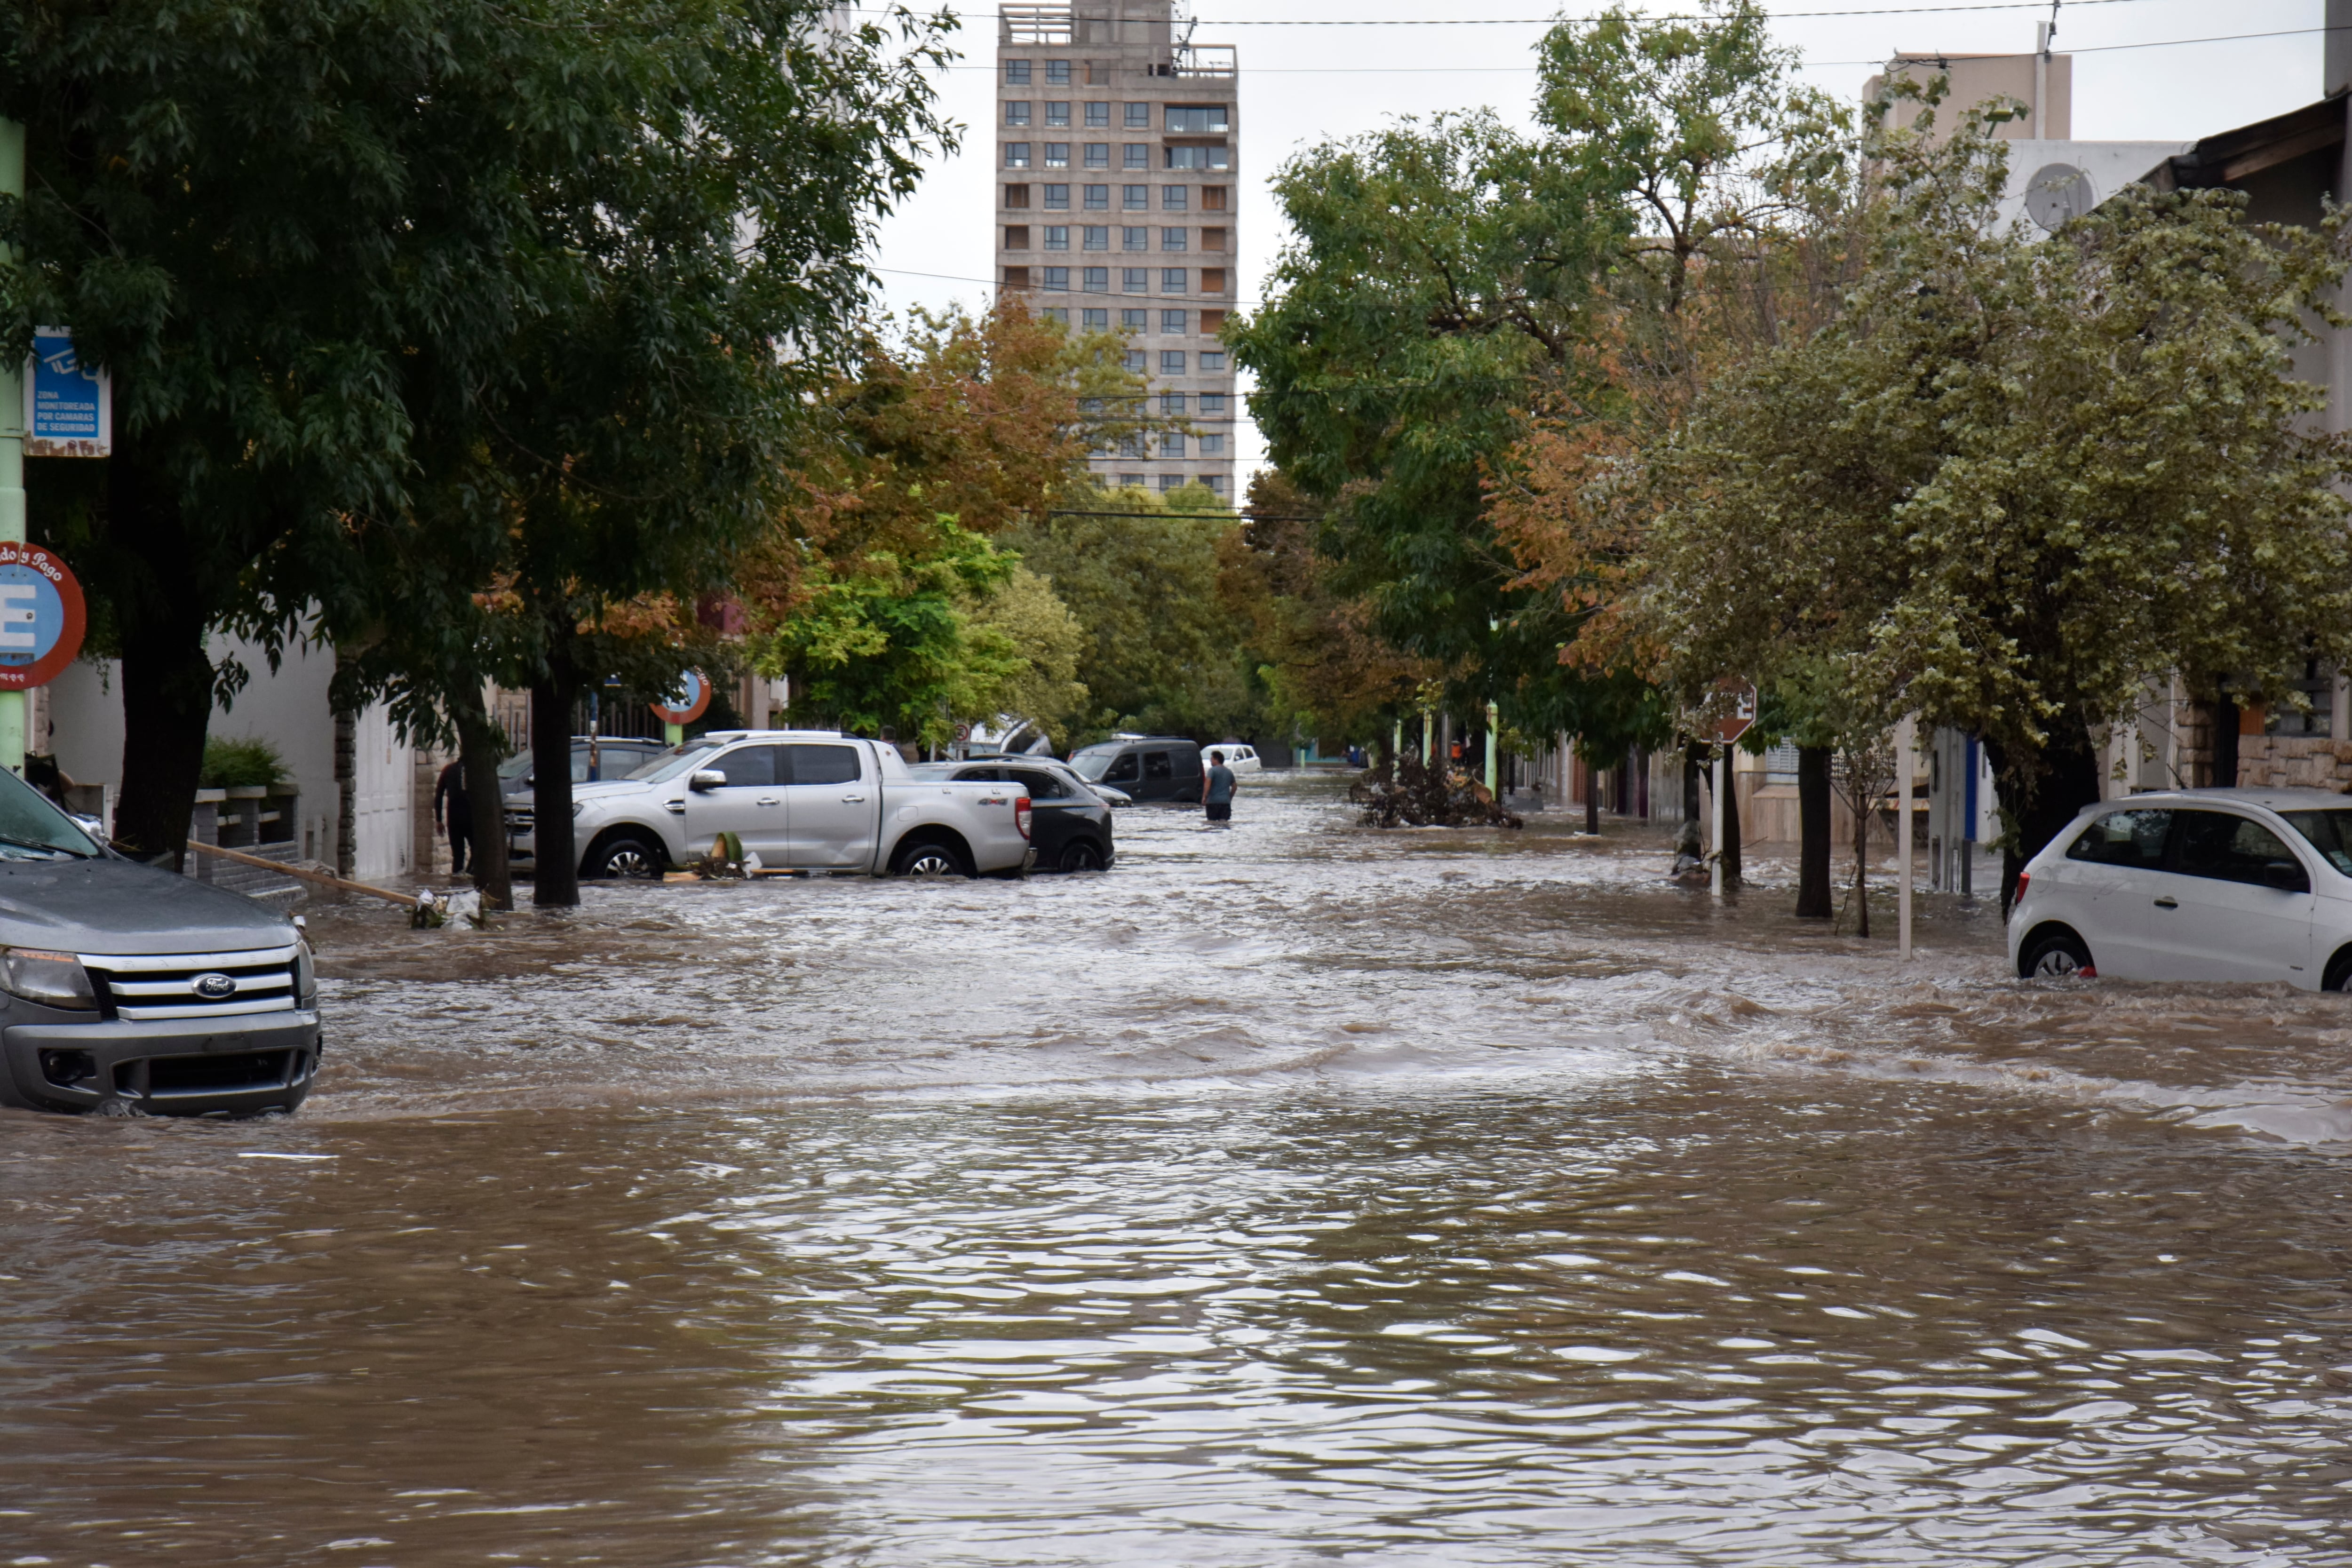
[{"x": 168, "y": 985}]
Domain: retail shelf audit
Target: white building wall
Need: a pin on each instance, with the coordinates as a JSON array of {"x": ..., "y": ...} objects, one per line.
[{"x": 384, "y": 774}]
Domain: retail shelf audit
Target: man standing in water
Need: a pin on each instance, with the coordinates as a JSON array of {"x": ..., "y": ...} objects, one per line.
[{"x": 1217, "y": 789}]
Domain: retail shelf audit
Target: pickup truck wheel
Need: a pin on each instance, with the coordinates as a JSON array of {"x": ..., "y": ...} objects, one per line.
[
  {"x": 627, "y": 855},
  {"x": 1081, "y": 855},
  {"x": 928, "y": 861}
]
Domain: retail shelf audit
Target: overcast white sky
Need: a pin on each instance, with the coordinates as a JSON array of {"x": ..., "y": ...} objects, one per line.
[{"x": 1300, "y": 85}]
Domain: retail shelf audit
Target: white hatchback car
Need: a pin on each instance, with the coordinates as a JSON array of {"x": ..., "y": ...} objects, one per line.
[
  {"x": 1239, "y": 758},
  {"x": 2209, "y": 884}
]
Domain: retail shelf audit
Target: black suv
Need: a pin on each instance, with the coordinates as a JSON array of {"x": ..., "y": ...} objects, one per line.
[
  {"x": 1068, "y": 822},
  {"x": 1148, "y": 767}
]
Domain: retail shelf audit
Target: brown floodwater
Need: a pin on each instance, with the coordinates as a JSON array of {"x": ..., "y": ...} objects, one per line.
[{"x": 1290, "y": 1193}]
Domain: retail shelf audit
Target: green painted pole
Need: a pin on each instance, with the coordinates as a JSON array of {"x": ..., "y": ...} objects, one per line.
[
  {"x": 12, "y": 451},
  {"x": 1494, "y": 717}
]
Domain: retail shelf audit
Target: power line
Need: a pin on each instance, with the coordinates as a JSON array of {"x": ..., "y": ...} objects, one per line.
[{"x": 1560, "y": 21}]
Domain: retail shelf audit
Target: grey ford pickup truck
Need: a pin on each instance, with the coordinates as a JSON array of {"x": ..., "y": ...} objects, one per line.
[{"x": 123, "y": 985}]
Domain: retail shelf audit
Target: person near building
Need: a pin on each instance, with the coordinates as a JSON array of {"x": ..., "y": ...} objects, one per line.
[
  {"x": 1217, "y": 789},
  {"x": 451, "y": 789}
]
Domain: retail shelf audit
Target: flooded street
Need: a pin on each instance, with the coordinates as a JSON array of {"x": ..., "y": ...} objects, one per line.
[{"x": 1293, "y": 1193}]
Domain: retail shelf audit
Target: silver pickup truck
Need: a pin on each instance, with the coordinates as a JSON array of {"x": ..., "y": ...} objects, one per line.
[
  {"x": 809, "y": 800},
  {"x": 123, "y": 986}
]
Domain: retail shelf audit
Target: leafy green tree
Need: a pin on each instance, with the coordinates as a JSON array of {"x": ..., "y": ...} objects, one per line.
[
  {"x": 2019, "y": 478},
  {"x": 1164, "y": 652}
]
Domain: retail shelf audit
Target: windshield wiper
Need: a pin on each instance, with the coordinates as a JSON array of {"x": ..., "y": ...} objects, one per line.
[{"x": 33, "y": 843}]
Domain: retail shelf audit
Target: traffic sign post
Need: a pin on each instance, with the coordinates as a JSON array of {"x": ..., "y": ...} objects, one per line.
[
  {"x": 12, "y": 453},
  {"x": 1734, "y": 723}
]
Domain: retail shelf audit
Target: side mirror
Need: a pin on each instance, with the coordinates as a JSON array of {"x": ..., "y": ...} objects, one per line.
[
  {"x": 2285, "y": 876},
  {"x": 706, "y": 778}
]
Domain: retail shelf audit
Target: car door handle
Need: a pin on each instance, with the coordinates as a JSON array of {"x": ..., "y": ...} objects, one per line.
[
  {"x": 2168, "y": 903},
  {"x": 765, "y": 800},
  {"x": 854, "y": 799},
  {"x": 675, "y": 807}
]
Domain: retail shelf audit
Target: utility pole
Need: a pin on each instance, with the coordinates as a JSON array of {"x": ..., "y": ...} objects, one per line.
[
  {"x": 1714, "y": 860},
  {"x": 1905, "y": 738},
  {"x": 13, "y": 704}
]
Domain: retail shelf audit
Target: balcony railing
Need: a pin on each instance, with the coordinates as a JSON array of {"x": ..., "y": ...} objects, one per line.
[{"x": 1036, "y": 23}]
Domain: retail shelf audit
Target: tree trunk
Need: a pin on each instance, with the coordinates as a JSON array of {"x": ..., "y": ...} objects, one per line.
[
  {"x": 480, "y": 749},
  {"x": 1728, "y": 850},
  {"x": 167, "y": 705},
  {"x": 1591, "y": 799},
  {"x": 1693, "y": 765},
  {"x": 555, "y": 859},
  {"x": 1814, "y": 899},
  {"x": 2041, "y": 793},
  {"x": 1860, "y": 867}
]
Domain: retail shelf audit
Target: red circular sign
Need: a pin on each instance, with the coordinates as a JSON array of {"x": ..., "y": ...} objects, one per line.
[
  {"x": 41, "y": 616},
  {"x": 694, "y": 694}
]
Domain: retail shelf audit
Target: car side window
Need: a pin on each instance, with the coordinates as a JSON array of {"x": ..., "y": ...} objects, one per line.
[
  {"x": 2134, "y": 838},
  {"x": 2235, "y": 849},
  {"x": 822, "y": 765},
  {"x": 977, "y": 775},
  {"x": 1040, "y": 785},
  {"x": 749, "y": 765},
  {"x": 1158, "y": 765},
  {"x": 1121, "y": 770}
]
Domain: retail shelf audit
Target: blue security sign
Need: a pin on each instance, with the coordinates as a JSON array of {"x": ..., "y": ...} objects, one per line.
[{"x": 68, "y": 405}]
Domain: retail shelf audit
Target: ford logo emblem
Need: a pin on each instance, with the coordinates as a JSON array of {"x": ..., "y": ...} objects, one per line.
[{"x": 212, "y": 988}]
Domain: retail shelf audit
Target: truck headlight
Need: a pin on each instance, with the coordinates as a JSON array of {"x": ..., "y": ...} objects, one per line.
[
  {"x": 306, "y": 975},
  {"x": 52, "y": 979}
]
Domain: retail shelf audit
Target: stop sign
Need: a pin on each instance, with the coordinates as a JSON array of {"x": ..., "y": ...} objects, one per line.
[{"x": 1740, "y": 698}]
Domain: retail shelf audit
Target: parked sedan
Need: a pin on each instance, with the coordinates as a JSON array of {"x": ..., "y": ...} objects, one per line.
[
  {"x": 1069, "y": 823},
  {"x": 2217, "y": 884}
]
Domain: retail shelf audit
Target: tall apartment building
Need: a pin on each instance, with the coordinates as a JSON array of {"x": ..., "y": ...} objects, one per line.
[{"x": 1115, "y": 207}]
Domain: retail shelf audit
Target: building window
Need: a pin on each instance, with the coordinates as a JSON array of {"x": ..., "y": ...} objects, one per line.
[
  {"x": 1212, "y": 322},
  {"x": 1215, "y": 482},
  {"x": 1212, "y": 362},
  {"x": 1058, "y": 314},
  {"x": 1098, "y": 198},
  {"x": 1131, "y": 481},
  {"x": 1098, "y": 280},
  {"x": 1139, "y": 116},
  {"x": 1016, "y": 114},
  {"x": 1172, "y": 444},
  {"x": 1212, "y": 239},
  {"x": 1135, "y": 279},
  {"x": 1213, "y": 403},
  {"x": 1132, "y": 444},
  {"x": 1016, "y": 195},
  {"x": 1132, "y": 320},
  {"x": 1173, "y": 238},
  {"x": 1197, "y": 121},
  {"x": 1172, "y": 403},
  {"x": 1016, "y": 237},
  {"x": 1133, "y": 360},
  {"x": 1135, "y": 239},
  {"x": 1016, "y": 278},
  {"x": 1016, "y": 73},
  {"x": 1096, "y": 321},
  {"x": 1058, "y": 73},
  {"x": 1171, "y": 481},
  {"x": 1172, "y": 280},
  {"x": 1212, "y": 279},
  {"x": 1057, "y": 114},
  {"x": 1096, "y": 237},
  {"x": 1098, "y": 116},
  {"x": 1172, "y": 323},
  {"x": 1171, "y": 361},
  {"x": 1213, "y": 198},
  {"x": 1212, "y": 446},
  {"x": 1214, "y": 157},
  {"x": 1135, "y": 198},
  {"x": 1098, "y": 154},
  {"x": 1057, "y": 237},
  {"x": 1058, "y": 281},
  {"x": 1135, "y": 157},
  {"x": 1057, "y": 155},
  {"x": 1017, "y": 154},
  {"x": 1173, "y": 198},
  {"x": 1058, "y": 198}
]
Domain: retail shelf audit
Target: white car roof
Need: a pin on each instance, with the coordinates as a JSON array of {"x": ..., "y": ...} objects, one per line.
[{"x": 2270, "y": 799}]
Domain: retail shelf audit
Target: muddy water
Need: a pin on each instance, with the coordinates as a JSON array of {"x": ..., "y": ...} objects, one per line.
[{"x": 1288, "y": 1194}]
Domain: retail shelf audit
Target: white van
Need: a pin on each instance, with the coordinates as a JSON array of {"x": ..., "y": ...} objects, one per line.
[{"x": 2209, "y": 884}]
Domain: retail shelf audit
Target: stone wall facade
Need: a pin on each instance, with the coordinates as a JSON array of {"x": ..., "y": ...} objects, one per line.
[{"x": 2294, "y": 762}]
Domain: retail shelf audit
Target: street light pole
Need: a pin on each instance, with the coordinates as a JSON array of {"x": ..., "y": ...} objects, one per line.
[
  {"x": 1907, "y": 736},
  {"x": 12, "y": 450},
  {"x": 1715, "y": 861}
]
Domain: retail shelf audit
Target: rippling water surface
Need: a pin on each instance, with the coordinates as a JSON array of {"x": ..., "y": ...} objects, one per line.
[{"x": 1288, "y": 1194}]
